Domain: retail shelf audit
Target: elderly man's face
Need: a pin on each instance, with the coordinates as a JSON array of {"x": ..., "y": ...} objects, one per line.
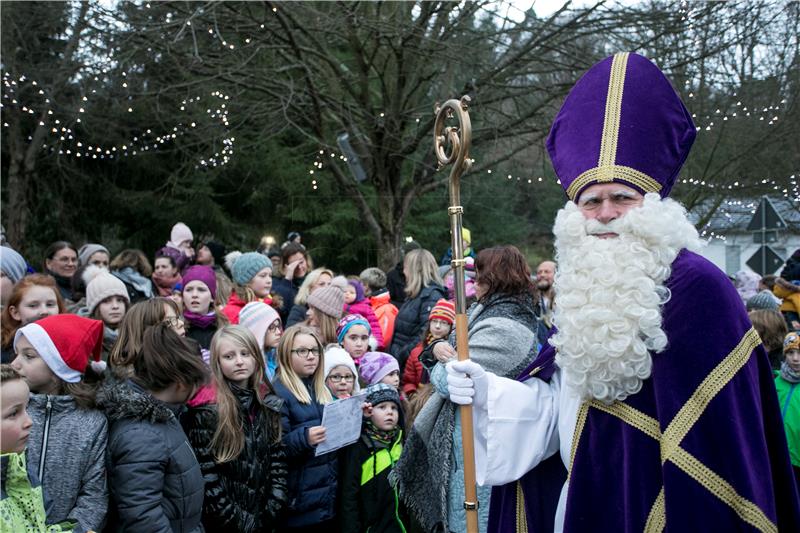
[
  {"x": 545, "y": 273},
  {"x": 606, "y": 202}
]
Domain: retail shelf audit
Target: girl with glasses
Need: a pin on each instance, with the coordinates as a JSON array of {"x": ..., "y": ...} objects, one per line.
[
  {"x": 312, "y": 479},
  {"x": 341, "y": 377},
  {"x": 264, "y": 322}
]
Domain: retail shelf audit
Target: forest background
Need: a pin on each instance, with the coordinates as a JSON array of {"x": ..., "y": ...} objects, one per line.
[{"x": 121, "y": 118}]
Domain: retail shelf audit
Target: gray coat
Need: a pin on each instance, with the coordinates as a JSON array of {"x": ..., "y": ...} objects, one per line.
[
  {"x": 154, "y": 478},
  {"x": 72, "y": 442}
]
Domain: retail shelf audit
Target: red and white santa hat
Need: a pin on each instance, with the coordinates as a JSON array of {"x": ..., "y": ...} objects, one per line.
[{"x": 66, "y": 342}]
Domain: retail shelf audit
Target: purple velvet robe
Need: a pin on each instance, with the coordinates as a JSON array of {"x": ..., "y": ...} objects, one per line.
[{"x": 727, "y": 466}]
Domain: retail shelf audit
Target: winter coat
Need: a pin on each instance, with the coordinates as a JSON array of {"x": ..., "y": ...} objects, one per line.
[
  {"x": 201, "y": 335},
  {"x": 367, "y": 502},
  {"x": 791, "y": 270},
  {"x": 296, "y": 315},
  {"x": 312, "y": 480},
  {"x": 413, "y": 372},
  {"x": 412, "y": 319},
  {"x": 789, "y": 401},
  {"x": 364, "y": 309},
  {"x": 287, "y": 289},
  {"x": 139, "y": 287},
  {"x": 233, "y": 308},
  {"x": 246, "y": 493},
  {"x": 386, "y": 313},
  {"x": 154, "y": 478},
  {"x": 789, "y": 293},
  {"x": 64, "y": 285},
  {"x": 22, "y": 506},
  {"x": 66, "y": 450}
]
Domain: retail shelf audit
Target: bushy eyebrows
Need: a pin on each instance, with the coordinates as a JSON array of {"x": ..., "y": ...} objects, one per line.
[{"x": 588, "y": 197}]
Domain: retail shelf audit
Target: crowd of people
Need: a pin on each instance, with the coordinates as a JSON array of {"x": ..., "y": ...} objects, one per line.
[{"x": 623, "y": 386}]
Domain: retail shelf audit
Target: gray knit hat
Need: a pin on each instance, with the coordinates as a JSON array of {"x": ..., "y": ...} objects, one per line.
[
  {"x": 102, "y": 286},
  {"x": 88, "y": 250},
  {"x": 247, "y": 266},
  {"x": 329, "y": 300},
  {"x": 763, "y": 300},
  {"x": 12, "y": 264}
]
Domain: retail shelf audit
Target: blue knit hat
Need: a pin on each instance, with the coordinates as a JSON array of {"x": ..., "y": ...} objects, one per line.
[
  {"x": 247, "y": 266},
  {"x": 12, "y": 264},
  {"x": 348, "y": 322}
]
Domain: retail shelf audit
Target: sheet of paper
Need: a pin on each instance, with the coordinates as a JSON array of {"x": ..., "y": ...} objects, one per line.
[{"x": 342, "y": 422}]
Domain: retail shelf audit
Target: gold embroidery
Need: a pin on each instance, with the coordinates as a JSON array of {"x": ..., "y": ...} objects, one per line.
[
  {"x": 694, "y": 407},
  {"x": 608, "y": 173},
  {"x": 522, "y": 521},
  {"x": 657, "y": 519},
  {"x": 616, "y": 83},
  {"x": 580, "y": 422},
  {"x": 632, "y": 416}
]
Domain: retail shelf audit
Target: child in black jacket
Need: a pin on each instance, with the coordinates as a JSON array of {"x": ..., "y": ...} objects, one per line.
[{"x": 366, "y": 500}]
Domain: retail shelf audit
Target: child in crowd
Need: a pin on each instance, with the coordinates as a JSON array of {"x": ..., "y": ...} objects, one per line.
[
  {"x": 771, "y": 327},
  {"x": 35, "y": 296},
  {"x": 379, "y": 367},
  {"x": 59, "y": 358},
  {"x": 353, "y": 334},
  {"x": 786, "y": 381},
  {"x": 252, "y": 278},
  {"x": 316, "y": 279},
  {"x": 153, "y": 475},
  {"x": 440, "y": 323},
  {"x": 355, "y": 303},
  {"x": 264, "y": 323},
  {"x": 236, "y": 435},
  {"x": 324, "y": 311},
  {"x": 374, "y": 281},
  {"x": 301, "y": 384},
  {"x": 177, "y": 296},
  {"x": 22, "y": 506},
  {"x": 131, "y": 332},
  {"x": 341, "y": 376},
  {"x": 366, "y": 499},
  {"x": 200, "y": 316},
  {"x": 107, "y": 300},
  {"x": 166, "y": 273}
]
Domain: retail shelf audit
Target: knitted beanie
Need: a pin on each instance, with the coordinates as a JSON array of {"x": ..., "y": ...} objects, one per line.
[
  {"x": 257, "y": 317},
  {"x": 247, "y": 266},
  {"x": 763, "y": 300},
  {"x": 377, "y": 365},
  {"x": 791, "y": 342},
  {"x": 336, "y": 356},
  {"x": 359, "y": 288},
  {"x": 329, "y": 300},
  {"x": 180, "y": 232},
  {"x": 66, "y": 343},
  {"x": 12, "y": 264},
  {"x": 204, "y": 274},
  {"x": 340, "y": 282},
  {"x": 88, "y": 250},
  {"x": 102, "y": 286},
  {"x": 381, "y": 392},
  {"x": 444, "y": 310},
  {"x": 348, "y": 322},
  {"x": 217, "y": 250}
]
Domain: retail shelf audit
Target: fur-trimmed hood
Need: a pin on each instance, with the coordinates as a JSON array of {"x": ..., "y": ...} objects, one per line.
[
  {"x": 126, "y": 400},
  {"x": 787, "y": 285}
]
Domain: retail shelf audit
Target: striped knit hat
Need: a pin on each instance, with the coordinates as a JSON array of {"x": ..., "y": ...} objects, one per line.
[{"x": 443, "y": 310}]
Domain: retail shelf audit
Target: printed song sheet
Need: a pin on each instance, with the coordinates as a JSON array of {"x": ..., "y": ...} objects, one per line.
[{"x": 342, "y": 422}]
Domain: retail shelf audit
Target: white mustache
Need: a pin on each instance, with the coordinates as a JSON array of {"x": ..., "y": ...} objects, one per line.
[{"x": 595, "y": 227}]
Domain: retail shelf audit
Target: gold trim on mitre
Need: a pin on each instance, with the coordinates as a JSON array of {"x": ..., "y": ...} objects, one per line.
[{"x": 607, "y": 170}]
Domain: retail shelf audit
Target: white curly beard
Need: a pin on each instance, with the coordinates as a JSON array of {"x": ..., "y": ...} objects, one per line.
[{"x": 609, "y": 294}]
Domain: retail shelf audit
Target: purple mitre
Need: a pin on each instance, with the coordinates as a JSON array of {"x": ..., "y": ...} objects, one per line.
[{"x": 621, "y": 122}]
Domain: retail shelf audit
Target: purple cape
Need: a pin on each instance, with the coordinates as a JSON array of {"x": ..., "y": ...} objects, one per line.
[{"x": 700, "y": 448}]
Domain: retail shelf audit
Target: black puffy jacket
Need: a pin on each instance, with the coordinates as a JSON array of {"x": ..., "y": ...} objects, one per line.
[
  {"x": 154, "y": 479},
  {"x": 411, "y": 320},
  {"x": 312, "y": 480},
  {"x": 249, "y": 492}
]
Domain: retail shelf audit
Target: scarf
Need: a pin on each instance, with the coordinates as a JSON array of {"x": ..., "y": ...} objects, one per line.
[
  {"x": 164, "y": 284},
  {"x": 140, "y": 283},
  {"x": 788, "y": 374},
  {"x": 379, "y": 436},
  {"x": 196, "y": 320}
]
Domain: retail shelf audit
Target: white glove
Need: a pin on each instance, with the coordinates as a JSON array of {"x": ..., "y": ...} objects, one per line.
[{"x": 467, "y": 383}]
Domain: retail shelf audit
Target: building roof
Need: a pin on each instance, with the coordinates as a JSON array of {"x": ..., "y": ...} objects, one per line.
[{"x": 734, "y": 216}]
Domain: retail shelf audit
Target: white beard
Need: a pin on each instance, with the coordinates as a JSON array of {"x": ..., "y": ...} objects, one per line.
[{"x": 610, "y": 293}]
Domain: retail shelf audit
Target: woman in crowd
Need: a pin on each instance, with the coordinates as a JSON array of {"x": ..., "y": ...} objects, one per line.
[
  {"x": 94, "y": 254},
  {"x": 316, "y": 279},
  {"x": 502, "y": 335},
  {"x": 61, "y": 262},
  {"x": 166, "y": 273},
  {"x": 423, "y": 289},
  {"x": 133, "y": 268},
  {"x": 35, "y": 296},
  {"x": 295, "y": 263}
]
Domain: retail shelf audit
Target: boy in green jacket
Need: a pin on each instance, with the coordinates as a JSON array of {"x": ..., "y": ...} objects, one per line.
[{"x": 786, "y": 381}]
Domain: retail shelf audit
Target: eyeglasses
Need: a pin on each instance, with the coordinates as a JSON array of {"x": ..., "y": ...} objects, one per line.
[
  {"x": 336, "y": 378},
  {"x": 305, "y": 352},
  {"x": 173, "y": 321},
  {"x": 274, "y": 327}
]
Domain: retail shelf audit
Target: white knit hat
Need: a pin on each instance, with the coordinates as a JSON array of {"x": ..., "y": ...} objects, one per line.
[
  {"x": 180, "y": 232},
  {"x": 257, "y": 317},
  {"x": 337, "y": 356},
  {"x": 102, "y": 286}
]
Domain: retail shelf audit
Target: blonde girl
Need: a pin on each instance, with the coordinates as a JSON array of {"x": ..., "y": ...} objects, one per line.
[
  {"x": 316, "y": 279},
  {"x": 301, "y": 384},
  {"x": 325, "y": 308},
  {"x": 236, "y": 435}
]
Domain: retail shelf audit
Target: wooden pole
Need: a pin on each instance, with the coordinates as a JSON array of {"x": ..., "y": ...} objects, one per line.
[{"x": 458, "y": 139}]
